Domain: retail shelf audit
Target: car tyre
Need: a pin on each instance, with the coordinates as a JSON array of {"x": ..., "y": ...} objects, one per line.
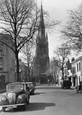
[
  {"x": 77, "y": 89},
  {"x": 32, "y": 92},
  {"x": 3, "y": 109},
  {"x": 27, "y": 101},
  {"x": 69, "y": 87}
]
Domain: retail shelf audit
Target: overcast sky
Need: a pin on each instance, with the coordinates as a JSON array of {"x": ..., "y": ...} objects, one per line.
[{"x": 58, "y": 11}]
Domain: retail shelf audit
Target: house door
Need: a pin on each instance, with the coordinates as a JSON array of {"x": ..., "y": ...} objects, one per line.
[{"x": 74, "y": 81}]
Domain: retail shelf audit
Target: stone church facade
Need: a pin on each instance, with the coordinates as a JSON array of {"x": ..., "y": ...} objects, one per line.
[{"x": 42, "y": 51}]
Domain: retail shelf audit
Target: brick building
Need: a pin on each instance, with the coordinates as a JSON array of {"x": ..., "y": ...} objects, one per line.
[{"x": 7, "y": 60}]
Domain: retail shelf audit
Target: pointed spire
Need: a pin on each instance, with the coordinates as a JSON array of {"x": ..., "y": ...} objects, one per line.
[
  {"x": 41, "y": 17},
  {"x": 41, "y": 32}
]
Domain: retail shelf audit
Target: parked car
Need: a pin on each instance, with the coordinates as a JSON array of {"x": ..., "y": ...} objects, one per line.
[
  {"x": 66, "y": 84},
  {"x": 31, "y": 86},
  {"x": 16, "y": 96},
  {"x": 79, "y": 87}
]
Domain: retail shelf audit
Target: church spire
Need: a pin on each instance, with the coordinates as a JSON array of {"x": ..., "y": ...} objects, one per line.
[{"x": 41, "y": 17}]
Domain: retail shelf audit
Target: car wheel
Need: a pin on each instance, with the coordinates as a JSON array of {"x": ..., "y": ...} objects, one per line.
[
  {"x": 3, "y": 109},
  {"x": 69, "y": 87},
  {"x": 77, "y": 89},
  {"x": 62, "y": 87},
  {"x": 27, "y": 101},
  {"x": 32, "y": 92}
]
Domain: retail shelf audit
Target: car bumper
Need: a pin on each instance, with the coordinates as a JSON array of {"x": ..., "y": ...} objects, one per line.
[{"x": 11, "y": 105}]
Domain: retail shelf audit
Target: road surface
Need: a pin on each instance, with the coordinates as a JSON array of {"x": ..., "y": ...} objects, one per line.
[{"x": 51, "y": 100}]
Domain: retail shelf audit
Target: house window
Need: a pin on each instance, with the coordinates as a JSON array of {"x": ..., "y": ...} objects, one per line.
[
  {"x": 79, "y": 66},
  {"x": 1, "y": 63},
  {"x": 73, "y": 70},
  {"x": 1, "y": 47}
]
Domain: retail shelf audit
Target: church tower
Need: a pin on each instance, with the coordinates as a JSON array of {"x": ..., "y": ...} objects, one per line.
[{"x": 42, "y": 51}]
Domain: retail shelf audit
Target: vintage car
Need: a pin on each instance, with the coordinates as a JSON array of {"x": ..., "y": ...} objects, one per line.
[
  {"x": 17, "y": 96},
  {"x": 66, "y": 84},
  {"x": 31, "y": 87}
]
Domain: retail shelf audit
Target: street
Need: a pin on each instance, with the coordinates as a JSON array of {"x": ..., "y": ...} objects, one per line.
[{"x": 52, "y": 100}]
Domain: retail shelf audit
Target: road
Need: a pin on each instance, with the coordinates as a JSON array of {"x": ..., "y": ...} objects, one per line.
[{"x": 51, "y": 100}]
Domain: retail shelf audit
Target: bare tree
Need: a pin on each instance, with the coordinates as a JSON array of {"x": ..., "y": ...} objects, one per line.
[
  {"x": 55, "y": 68},
  {"x": 72, "y": 31},
  {"x": 19, "y": 19},
  {"x": 62, "y": 53},
  {"x": 27, "y": 56}
]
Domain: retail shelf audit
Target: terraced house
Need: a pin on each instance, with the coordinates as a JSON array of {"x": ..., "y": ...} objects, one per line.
[
  {"x": 77, "y": 71},
  {"x": 74, "y": 73}
]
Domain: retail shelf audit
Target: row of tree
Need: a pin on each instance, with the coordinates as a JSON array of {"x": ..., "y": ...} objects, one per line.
[
  {"x": 20, "y": 20},
  {"x": 72, "y": 40}
]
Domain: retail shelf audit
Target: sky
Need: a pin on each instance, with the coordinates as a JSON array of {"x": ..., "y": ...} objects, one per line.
[{"x": 58, "y": 10}]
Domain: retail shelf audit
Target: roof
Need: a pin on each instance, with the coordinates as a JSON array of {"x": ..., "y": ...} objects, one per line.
[
  {"x": 16, "y": 83},
  {"x": 28, "y": 82},
  {"x": 79, "y": 58}
]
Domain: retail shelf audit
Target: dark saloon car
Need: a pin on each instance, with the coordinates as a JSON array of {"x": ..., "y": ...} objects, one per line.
[
  {"x": 66, "y": 84},
  {"x": 79, "y": 87},
  {"x": 31, "y": 87},
  {"x": 16, "y": 96}
]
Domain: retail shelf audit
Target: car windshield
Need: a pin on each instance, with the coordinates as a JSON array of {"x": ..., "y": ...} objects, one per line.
[{"x": 14, "y": 87}]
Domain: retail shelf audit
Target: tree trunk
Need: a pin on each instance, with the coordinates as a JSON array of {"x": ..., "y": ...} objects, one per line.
[
  {"x": 63, "y": 69},
  {"x": 17, "y": 67},
  {"x": 28, "y": 71}
]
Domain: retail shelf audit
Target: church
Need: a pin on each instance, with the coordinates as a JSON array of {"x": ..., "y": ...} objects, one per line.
[{"x": 42, "y": 51}]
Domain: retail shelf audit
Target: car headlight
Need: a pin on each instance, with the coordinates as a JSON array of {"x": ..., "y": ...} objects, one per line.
[
  {"x": 20, "y": 96},
  {"x": 3, "y": 98}
]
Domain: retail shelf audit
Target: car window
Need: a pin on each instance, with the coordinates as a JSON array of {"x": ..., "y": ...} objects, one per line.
[
  {"x": 31, "y": 84},
  {"x": 14, "y": 87}
]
